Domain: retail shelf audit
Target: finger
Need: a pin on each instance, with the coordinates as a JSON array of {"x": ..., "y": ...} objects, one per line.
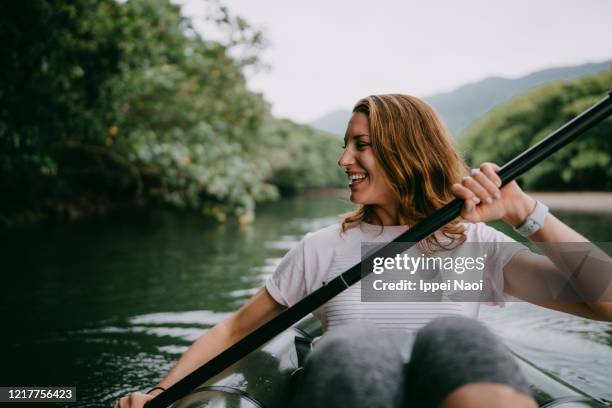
[
  {"x": 491, "y": 164},
  {"x": 487, "y": 183},
  {"x": 478, "y": 190},
  {"x": 491, "y": 169},
  {"x": 465, "y": 194}
]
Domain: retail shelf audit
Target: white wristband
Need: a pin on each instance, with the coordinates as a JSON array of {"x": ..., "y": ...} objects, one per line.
[{"x": 534, "y": 221}]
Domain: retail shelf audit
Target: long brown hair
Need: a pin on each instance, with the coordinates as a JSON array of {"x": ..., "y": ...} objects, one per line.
[{"x": 416, "y": 153}]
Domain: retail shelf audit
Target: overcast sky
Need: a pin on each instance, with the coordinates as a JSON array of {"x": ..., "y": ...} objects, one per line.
[{"x": 324, "y": 55}]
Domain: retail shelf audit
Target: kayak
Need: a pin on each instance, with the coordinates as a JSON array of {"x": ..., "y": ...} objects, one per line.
[{"x": 264, "y": 378}]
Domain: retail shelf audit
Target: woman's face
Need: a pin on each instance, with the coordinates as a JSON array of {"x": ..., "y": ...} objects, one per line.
[{"x": 368, "y": 183}]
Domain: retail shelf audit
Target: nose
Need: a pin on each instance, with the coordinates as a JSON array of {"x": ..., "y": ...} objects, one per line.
[{"x": 346, "y": 158}]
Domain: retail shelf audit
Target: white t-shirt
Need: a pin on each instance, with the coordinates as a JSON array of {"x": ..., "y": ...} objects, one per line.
[{"x": 322, "y": 255}]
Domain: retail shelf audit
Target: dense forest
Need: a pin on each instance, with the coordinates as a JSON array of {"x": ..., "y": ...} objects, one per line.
[
  {"x": 107, "y": 105},
  {"x": 510, "y": 128}
]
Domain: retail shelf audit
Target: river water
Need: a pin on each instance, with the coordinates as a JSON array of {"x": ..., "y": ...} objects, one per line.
[{"x": 108, "y": 305}]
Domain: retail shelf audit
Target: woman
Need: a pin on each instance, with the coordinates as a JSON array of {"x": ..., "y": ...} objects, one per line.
[{"x": 402, "y": 167}]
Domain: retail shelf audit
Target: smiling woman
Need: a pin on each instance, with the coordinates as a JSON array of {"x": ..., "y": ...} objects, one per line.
[
  {"x": 406, "y": 155},
  {"x": 403, "y": 167}
]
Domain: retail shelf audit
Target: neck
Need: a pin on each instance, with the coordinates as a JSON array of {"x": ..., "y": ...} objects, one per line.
[{"x": 387, "y": 215}]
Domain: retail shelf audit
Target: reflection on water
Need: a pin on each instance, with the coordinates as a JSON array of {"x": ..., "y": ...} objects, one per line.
[
  {"x": 109, "y": 305},
  {"x": 577, "y": 350}
]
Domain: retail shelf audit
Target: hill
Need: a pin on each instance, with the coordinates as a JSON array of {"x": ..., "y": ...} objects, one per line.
[
  {"x": 466, "y": 104},
  {"x": 511, "y": 127}
]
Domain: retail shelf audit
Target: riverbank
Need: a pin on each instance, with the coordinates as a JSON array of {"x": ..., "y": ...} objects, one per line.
[
  {"x": 580, "y": 202},
  {"x": 584, "y": 202}
]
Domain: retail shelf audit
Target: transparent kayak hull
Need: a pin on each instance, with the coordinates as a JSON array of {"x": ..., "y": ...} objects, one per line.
[{"x": 265, "y": 378}]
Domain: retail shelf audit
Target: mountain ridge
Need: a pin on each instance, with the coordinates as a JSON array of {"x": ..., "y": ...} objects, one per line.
[{"x": 462, "y": 106}]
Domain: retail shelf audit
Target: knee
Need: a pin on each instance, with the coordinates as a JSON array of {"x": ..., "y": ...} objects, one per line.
[
  {"x": 340, "y": 343},
  {"x": 456, "y": 329},
  {"x": 355, "y": 344},
  {"x": 452, "y": 325},
  {"x": 335, "y": 372},
  {"x": 452, "y": 353}
]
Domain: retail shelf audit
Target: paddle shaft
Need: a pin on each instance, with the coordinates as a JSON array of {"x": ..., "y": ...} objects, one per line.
[{"x": 510, "y": 171}]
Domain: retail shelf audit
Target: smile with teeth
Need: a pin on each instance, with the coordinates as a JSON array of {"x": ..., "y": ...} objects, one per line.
[{"x": 356, "y": 178}]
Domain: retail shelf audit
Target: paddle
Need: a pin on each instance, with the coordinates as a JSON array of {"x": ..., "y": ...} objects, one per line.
[{"x": 420, "y": 231}]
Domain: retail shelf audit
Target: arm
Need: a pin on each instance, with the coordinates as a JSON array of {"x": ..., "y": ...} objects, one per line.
[
  {"x": 527, "y": 270},
  {"x": 257, "y": 311},
  {"x": 526, "y": 273},
  {"x": 527, "y": 276}
]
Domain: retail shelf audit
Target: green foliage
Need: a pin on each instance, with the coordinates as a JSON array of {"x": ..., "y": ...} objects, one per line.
[
  {"x": 55, "y": 56},
  {"x": 188, "y": 118},
  {"x": 202, "y": 171},
  {"x": 104, "y": 102},
  {"x": 512, "y": 127},
  {"x": 303, "y": 157}
]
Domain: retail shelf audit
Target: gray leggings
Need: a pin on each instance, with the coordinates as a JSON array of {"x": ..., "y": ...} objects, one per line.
[{"x": 363, "y": 367}]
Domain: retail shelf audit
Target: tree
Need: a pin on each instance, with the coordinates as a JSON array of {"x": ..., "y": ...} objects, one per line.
[{"x": 512, "y": 127}]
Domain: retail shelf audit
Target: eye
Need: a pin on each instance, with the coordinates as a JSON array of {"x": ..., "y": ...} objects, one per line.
[
  {"x": 343, "y": 146},
  {"x": 362, "y": 145}
]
